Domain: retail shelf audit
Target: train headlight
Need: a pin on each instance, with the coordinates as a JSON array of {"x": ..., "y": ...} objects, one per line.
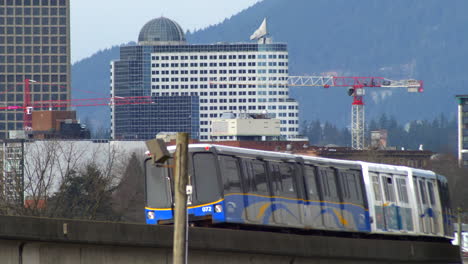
[
  {"x": 150, "y": 215},
  {"x": 218, "y": 208}
]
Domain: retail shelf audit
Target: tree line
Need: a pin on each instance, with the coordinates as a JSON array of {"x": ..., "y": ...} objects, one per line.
[{"x": 437, "y": 135}]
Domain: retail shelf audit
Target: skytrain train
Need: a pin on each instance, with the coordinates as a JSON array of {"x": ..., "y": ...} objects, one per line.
[{"x": 270, "y": 189}]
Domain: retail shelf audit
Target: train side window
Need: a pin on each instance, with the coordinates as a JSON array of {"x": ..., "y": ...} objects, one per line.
[
  {"x": 230, "y": 173},
  {"x": 388, "y": 188},
  {"x": 287, "y": 180},
  {"x": 332, "y": 184},
  {"x": 354, "y": 186},
  {"x": 416, "y": 189},
  {"x": 422, "y": 190},
  {"x": 402, "y": 190},
  {"x": 344, "y": 185},
  {"x": 430, "y": 190},
  {"x": 324, "y": 182},
  {"x": 260, "y": 177},
  {"x": 275, "y": 178},
  {"x": 309, "y": 173},
  {"x": 327, "y": 177},
  {"x": 247, "y": 179},
  {"x": 206, "y": 180},
  {"x": 376, "y": 186}
]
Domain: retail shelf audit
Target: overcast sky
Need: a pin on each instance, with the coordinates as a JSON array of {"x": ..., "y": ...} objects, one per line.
[{"x": 112, "y": 22}]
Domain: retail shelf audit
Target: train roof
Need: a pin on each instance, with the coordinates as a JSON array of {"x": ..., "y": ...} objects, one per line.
[{"x": 325, "y": 161}]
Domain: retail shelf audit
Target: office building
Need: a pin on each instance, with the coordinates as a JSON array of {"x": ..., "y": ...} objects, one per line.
[
  {"x": 463, "y": 130},
  {"x": 227, "y": 77},
  {"x": 34, "y": 44},
  {"x": 165, "y": 114}
]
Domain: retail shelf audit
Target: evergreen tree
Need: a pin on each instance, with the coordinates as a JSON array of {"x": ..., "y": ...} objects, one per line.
[
  {"x": 84, "y": 195},
  {"x": 129, "y": 196}
]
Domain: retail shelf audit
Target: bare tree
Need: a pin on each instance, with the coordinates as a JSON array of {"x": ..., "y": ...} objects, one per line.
[
  {"x": 447, "y": 165},
  {"x": 52, "y": 170}
]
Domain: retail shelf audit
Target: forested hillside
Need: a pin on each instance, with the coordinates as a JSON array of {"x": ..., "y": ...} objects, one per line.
[{"x": 422, "y": 39}]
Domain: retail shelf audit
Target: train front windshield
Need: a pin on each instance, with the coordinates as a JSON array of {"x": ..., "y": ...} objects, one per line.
[
  {"x": 159, "y": 181},
  {"x": 158, "y": 187}
]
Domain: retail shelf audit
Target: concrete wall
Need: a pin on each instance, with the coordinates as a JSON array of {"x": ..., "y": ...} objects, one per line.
[{"x": 46, "y": 241}]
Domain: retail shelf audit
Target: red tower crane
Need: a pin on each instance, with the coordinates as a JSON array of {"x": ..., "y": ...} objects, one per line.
[
  {"x": 29, "y": 105},
  {"x": 356, "y": 90}
]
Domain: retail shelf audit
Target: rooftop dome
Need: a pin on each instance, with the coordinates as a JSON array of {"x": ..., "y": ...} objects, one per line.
[{"x": 161, "y": 31}]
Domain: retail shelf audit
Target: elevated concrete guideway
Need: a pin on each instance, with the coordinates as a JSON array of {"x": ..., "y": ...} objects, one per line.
[{"x": 27, "y": 240}]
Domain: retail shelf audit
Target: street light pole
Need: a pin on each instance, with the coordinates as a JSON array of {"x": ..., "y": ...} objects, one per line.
[
  {"x": 180, "y": 193},
  {"x": 459, "y": 231}
]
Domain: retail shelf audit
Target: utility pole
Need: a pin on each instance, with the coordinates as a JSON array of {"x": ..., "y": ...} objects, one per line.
[
  {"x": 180, "y": 193},
  {"x": 459, "y": 231}
]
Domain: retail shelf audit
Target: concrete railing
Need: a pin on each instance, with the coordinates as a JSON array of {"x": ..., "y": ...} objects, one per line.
[{"x": 28, "y": 240}]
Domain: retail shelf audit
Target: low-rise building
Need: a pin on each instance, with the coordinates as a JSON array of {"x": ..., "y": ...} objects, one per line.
[
  {"x": 245, "y": 126},
  {"x": 463, "y": 130}
]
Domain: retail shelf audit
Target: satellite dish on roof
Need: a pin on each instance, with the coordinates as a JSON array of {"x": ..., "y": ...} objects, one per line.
[{"x": 261, "y": 31}]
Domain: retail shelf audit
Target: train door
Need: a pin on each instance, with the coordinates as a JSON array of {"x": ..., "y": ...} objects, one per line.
[
  {"x": 352, "y": 206},
  {"x": 405, "y": 212},
  {"x": 331, "y": 204},
  {"x": 285, "y": 200},
  {"x": 434, "y": 212},
  {"x": 233, "y": 197},
  {"x": 378, "y": 201},
  {"x": 257, "y": 200},
  {"x": 445, "y": 206},
  {"x": 423, "y": 206},
  {"x": 390, "y": 205},
  {"x": 312, "y": 206}
]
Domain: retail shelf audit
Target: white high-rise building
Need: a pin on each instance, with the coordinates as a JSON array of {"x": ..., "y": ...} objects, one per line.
[{"x": 237, "y": 77}]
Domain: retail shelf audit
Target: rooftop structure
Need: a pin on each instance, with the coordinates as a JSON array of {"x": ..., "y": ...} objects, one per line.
[
  {"x": 245, "y": 127},
  {"x": 161, "y": 31}
]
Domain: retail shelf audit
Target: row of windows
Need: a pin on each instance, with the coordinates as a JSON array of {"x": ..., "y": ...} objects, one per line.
[
  {"x": 27, "y": 21},
  {"x": 214, "y": 86},
  {"x": 15, "y": 47},
  {"x": 242, "y": 107},
  {"x": 35, "y": 59},
  {"x": 54, "y": 30},
  {"x": 214, "y": 64},
  {"x": 130, "y": 52},
  {"x": 237, "y": 100},
  {"x": 185, "y": 72},
  {"x": 36, "y": 97},
  {"x": 36, "y": 50},
  {"x": 33, "y": 40},
  {"x": 220, "y": 57},
  {"x": 231, "y": 79},
  {"x": 231, "y": 71},
  {"x": 40, "y": 78},
  {"x": 33, "y": 68},
  {"x": 232, "y": 93},
  {"x": 203, "y": 79},
  {"x": 284, "y": 179},
  {"x": 33, "y": 2}
]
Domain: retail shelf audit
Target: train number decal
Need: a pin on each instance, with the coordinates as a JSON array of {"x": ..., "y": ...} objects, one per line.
[{"x": 206, "y": 209}]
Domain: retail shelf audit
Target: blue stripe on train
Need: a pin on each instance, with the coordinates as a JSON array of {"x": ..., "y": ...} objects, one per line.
[{"x": 235, "y": 207}]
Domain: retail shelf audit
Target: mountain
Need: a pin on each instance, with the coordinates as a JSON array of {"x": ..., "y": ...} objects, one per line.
[
  {"x": 91, "y": 79},
  {"x": 399, "y": 39}
]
